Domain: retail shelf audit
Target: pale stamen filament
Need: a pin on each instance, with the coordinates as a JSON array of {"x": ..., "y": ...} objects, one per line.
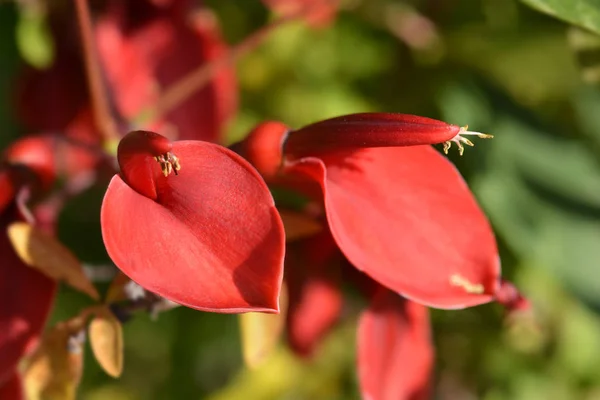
[{"x": 459, "y": 139}]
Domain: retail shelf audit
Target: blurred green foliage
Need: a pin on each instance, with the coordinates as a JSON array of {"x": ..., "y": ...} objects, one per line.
[{"x": 496, "y": 65}]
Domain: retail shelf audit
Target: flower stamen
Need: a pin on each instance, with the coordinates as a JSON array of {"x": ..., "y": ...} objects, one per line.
[
  {"x": 168, "y": 163},
  {"x": 464, "y": 283},
  {"x": 460, "y": 140}
]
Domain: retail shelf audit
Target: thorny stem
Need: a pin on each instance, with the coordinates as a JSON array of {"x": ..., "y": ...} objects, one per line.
[
  {"x": 100, "y": 100},
  {"x": 181, "y": 90}
]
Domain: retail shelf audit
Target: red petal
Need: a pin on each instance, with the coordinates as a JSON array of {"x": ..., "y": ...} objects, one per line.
[
  {"x": 405, "y": 217},
  {"x": 26, "y": 297},
  {"x": 395, "y": 355},
  {"x": 215, "y": 242},
  {"x": 367, "y": 130},
  {"x": 315, "y": 299},
  {"x": 12, "y": 389}
]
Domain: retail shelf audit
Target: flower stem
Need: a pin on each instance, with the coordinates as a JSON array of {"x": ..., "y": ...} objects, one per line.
[
  {"x": 186, "y": 86},
  {"x": 100, "y": 100}
]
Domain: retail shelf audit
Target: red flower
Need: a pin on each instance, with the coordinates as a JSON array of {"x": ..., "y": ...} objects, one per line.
[
  {"x": 195, "y": 223},
  {"x": 394, "y": 349},
  {"x": 398, "y": 210},
  {"x": 318, "y": 12},
  {"x": 29, "y": 293}
]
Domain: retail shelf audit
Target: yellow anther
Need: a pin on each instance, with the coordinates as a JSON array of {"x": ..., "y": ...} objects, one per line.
[
  {"x": 168, "y": 163},
  {"x": 462, "y": 282}
]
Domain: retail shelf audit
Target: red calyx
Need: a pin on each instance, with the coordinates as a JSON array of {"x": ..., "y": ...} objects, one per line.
[{"x": 365, "y": 130}]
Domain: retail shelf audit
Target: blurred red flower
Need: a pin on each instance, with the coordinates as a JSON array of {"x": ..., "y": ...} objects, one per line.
[
  {"x": 318, "y": 12},
  {"x": 144, "y": 46},
  {"x": 394, "y": 348},
  {"x": 27, "y": 295}
]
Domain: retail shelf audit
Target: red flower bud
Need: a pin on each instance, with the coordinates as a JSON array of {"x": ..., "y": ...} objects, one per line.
[
  {"x": 194, "y": 222},
  {"x": 358, "y": 131}
]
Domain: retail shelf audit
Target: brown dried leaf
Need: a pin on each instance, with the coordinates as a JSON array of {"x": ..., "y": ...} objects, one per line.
[
  {"x": 298, "y": 225},
  {"x": 46, "y": 254},
  {"x": 54, "y": 370},
  {"x": 260, "y": 332},
  {"x": 106, "y": 339}
]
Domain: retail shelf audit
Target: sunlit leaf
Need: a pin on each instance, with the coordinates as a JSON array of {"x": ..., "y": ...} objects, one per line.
[
  {"x": 261, "y": 332},
  {"x": 54, "y": 370},
  {"x": 584, "y": 13},
  {"x": 586, "y": 46},
  {"x": 106, "y": 339},
  {"x": 46, "y": 254}
]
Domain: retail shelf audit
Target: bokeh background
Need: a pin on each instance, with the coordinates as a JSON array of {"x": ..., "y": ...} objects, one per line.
[{"x": 498, "y": 65}]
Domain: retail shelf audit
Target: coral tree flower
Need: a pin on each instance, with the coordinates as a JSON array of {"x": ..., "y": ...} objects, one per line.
[
  {"x": 26, "y": 294},
  {"x": 397, "y": 209},
  {"x": 195, "y": 223}
]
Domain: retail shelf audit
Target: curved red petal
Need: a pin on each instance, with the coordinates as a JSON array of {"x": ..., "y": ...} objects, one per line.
[
  {"x": 12, "y": 389},
  {"x": 406, "y": 217},
  {"x": 26, "y": 296},
  {"x": 315, "y": 299},
  {"x": 213, "y": 241},
  {"x": 395, "y": 354}
]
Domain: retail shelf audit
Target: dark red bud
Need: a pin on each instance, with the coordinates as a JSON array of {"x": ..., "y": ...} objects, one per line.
[
  {"x": 509, "y": 296},
  {"x": 367, "y": 130},
  {"x": 140, "y": 155}
]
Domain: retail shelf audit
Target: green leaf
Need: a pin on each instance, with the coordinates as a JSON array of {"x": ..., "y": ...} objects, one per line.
[
  {"x": 34, "y": 40},
  {"x": 542, "y": 192},
  {"x": 583, "y": 13}
]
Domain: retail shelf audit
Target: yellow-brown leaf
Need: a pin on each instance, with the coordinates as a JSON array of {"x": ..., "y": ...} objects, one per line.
[
  {"x": 54, "y": 370},
  {"x": 106, "y": 339},
  {"x": 260, "y": 332},
  {"x": 46, "y": 254}
]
